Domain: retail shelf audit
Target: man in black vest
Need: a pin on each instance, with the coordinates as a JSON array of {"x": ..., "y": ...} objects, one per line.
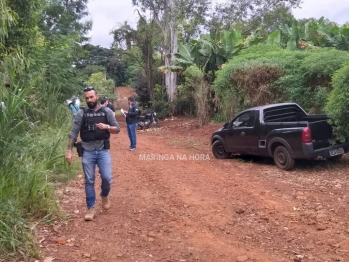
[{"x": 95, "y": 123}]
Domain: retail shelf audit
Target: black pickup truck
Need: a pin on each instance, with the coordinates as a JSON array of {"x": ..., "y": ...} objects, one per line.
[{"x": 283, "y": 131}]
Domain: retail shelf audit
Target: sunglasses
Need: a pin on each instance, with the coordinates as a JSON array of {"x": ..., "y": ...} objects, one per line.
[{"x": 86, "y": 89}]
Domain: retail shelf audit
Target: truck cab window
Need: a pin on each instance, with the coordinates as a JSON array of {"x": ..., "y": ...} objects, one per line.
[{"x": 242, "y": 120}]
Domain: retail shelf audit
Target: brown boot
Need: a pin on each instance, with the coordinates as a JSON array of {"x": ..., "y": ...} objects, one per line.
[
  {"x": 90, "y": 214},
  {"x": 105, "y": 202}
]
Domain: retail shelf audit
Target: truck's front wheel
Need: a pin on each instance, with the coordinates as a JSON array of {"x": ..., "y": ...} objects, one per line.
[
  {"x": 283, "y": 159},
  {"x": 218, "y": 150}
]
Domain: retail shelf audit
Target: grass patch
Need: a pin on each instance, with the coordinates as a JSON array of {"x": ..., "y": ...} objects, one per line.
[{"x": 32, "y": 160}]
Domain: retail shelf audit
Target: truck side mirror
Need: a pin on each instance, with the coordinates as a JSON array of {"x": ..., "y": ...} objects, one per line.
[{"x": 226, "y": 125}]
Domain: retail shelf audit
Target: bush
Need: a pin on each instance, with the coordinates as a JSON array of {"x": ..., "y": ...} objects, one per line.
[
  {"x": 31, "y": 154},
  {"x": 252, "y": 83},
  {"x": 160, "y": 103},
  {"x": 140, "y": 85},
  {"x": 161, "y": 108},
  {"x": 256, "y": 79},
  {"x": 198, "y": 90},
  {"x": 233, "y": 82},
  {"x": 264, "y": 74},
  {"x": 318, "y": 68},
  {"x": 14, "y": 233},
  {"x": 184, "y": 104},
  {"x": 101, "y": 84},
  {"x": 338, "y": 103}
]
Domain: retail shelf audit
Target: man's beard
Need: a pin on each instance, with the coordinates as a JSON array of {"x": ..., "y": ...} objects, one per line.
[{"x": 92, "y": 105}]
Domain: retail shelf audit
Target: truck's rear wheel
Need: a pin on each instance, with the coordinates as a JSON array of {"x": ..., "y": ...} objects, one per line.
[
  {"x": 283, "y": 159},
  {"x": 218, "y": 150}
]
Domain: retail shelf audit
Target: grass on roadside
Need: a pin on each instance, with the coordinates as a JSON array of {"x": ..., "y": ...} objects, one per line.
[{"x": 32, "y": 148}]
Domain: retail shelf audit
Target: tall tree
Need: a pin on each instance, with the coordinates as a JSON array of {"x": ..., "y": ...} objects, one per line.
[
  {"x": 63, "y": 17},
  {"x": 144, "y": 37},
  {"x": 62, "y": 34},
  {"x": 97, "y": 55},
  {"x": 27, "y": 14},
  {"x": 168, "y": 14},
  {"x": 247, "y": 15},
  {"x": 8, "y": 56}
]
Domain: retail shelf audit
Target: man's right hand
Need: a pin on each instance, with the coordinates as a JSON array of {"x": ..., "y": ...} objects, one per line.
[{"x": 69, "y": 156}]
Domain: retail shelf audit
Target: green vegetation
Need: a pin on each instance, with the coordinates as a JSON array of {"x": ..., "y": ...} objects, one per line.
[
  {"x": 45, "y": 58},
  {"x": 265, "y": 74},
  {"x": 98, "y": 81},
  {"x": 249, "y": 57},
  {"x": 338, "y": 102},
  {"x": 31, "y": 159},
  {"x": 36, "y": 74},
  {"x": 199, "y": 92}
]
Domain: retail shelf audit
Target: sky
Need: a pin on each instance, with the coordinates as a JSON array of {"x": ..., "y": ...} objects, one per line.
[{"x": 108, "y": 14}]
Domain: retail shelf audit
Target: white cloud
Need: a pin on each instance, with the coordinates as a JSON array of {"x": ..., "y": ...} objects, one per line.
[
  {"x": 107, "y": 14},
  {"x": 334, "y": 10}
]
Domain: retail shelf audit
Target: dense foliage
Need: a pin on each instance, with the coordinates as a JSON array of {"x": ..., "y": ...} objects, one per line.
[
  {"x": 268, "y": 57},
  {"x": 39, "y": 42},
  {"x": 338, "y": 103},
  {"x": 265, "y": 74},
  {"x": 255, "y": 53}
]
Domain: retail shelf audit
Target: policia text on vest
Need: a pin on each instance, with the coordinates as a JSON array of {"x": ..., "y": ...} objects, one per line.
[{"x": 89, "y": 132}]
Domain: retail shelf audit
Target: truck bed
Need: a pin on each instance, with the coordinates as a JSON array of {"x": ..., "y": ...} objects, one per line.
[
  {"x": 293, "y": 116},
  {"x": 289, "y": 113}
]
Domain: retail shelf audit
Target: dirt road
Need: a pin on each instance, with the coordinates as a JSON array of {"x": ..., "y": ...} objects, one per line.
[{"x": 172, "y": 201}]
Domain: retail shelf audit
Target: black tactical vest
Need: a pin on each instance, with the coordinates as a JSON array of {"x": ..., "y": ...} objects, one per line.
[{"x": 89, "y": 131}]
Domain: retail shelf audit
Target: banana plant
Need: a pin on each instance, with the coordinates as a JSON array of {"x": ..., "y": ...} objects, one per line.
[
  {"x": 293, "y": 34},
  {"x": 204, "y": 53},
  {"x": 335, "y": 36},
  {"x": 315, "y": 33},
  {"x": 255, "y": 38},
  {"x": 210, "y": 54},
  {"x": 185, "y": 54},
  {"x": 232, "y": 42},
  {"x": 274, "y": 38}
]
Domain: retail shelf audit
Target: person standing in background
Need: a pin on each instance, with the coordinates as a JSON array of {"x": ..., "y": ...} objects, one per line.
[
  {"x": 131, "y": 122},
  {"x": 74, "y": 107},
  {"x": 104, "y": 102},
  {"x": 108, "y": 104}
]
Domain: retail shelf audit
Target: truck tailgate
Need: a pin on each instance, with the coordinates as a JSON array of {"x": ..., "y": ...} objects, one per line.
[{"x": 321, "y": 131}]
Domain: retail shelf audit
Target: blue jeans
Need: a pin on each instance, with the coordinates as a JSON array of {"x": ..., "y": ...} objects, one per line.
[
  {"x": 131, "y": 131},
  {"x": 102, "y": 159}
]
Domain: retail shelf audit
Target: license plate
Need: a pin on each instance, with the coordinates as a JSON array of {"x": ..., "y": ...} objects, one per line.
[{"x": 337, "y": 151}]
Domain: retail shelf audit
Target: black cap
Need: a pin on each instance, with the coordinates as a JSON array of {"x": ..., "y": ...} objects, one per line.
[{"x": 105, "y": 98}]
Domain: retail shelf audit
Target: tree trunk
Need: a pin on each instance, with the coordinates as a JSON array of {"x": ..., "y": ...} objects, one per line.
[
  {"x": 174, "y": 49},
  {"x": 170, "y": 50},
  {"x": 167, "y": 56},
  {"x": 150, "y": 72}
]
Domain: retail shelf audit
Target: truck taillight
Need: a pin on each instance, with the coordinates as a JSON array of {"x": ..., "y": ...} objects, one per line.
[{"x": 306, "y": 135}]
